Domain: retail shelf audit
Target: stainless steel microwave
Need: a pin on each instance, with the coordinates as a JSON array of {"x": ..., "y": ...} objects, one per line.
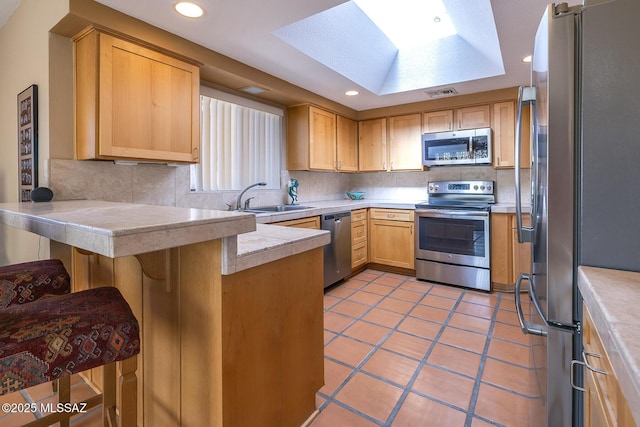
[{"x": 464, "y": 147}]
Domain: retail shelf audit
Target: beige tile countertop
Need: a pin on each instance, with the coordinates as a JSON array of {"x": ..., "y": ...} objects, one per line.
[
  {"x": 509, "y": 208},
  {"x": 612, "y": 298},
  {"x": 333, "y": 206},
  {"x": 122, "y": 229},
  {"x": 268, "y": 243}
]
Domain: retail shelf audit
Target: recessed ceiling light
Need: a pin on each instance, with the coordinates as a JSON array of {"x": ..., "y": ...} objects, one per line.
[
  {"x": 526, "y": 58},
  {"x": 352, "y": 93},
  {"x": 253, "y": 90},
  {"x": 189, "y": 9}
]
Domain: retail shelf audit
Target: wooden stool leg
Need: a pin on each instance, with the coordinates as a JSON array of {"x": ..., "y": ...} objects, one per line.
[
  {"x": 128, "y": 385},
  {"x": 109, "y": 395},
  {"x": 64, "y": 394}
]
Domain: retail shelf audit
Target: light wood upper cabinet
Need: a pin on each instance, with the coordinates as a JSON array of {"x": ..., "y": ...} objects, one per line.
[
  {"x": 478, "y": 116},
  {"x": 405, "y": 150},
  {"x": 437, "y": 121},
  {"x": 504, "y": 127},
  {"x": 346, "y": 145},
  {"x": 475, "y": 117},
  {"x": 320, "y": 140},
  {"x": 372, "y": 146},
  {"x": 134, "y": 102},
  {"x": 311, "y": 138}
]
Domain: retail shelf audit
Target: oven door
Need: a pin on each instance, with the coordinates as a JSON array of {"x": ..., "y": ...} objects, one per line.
[{"x": 453, "y": 236}]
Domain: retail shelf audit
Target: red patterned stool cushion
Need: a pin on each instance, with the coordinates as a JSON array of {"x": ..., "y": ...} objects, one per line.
[
  {"x": 30, "y": 281},
  {"x": 64, "y": 334}
]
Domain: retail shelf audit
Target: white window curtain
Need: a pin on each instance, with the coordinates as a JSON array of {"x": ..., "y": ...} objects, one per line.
[{"x": 240, "y": 146}]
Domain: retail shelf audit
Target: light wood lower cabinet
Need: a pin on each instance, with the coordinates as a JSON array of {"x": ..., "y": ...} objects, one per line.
[
  {"x": 359, "y": 238},
  {"x": 509, "y": 258},
  {"x": 604, "y": 403},
  {"x": 309, "y": 222},
  {"x": 391, "y": 237},
  {"x": 218, "y": 350}
]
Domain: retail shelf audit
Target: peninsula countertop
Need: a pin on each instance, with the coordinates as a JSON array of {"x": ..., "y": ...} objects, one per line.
[
  {"x": 612, "y": 298},
  {"x": 122, "y": 229}
]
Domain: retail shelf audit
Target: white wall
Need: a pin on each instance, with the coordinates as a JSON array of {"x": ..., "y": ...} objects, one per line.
[{"x": 24, "y": 49}]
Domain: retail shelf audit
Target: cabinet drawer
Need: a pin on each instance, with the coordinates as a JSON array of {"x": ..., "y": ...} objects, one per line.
[
  {"x": 358, "y": 232},
  {"x": 309, "y": 222},
  {"x": 392, "y": 214},
  {"x": 359, "y": 254},
  {"x": 358, "y": 215}
]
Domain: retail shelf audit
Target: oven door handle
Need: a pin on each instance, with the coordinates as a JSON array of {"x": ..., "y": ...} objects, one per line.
[{"x": 443, "y": 213}]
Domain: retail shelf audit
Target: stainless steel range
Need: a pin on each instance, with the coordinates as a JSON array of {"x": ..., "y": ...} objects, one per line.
[{"x": 452, "y": 239}]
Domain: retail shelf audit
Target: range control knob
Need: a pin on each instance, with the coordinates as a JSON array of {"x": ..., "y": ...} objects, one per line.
[
  {"x": 482, "y": 187},
  {"x": 475, "y": 187},
  {"x": 437, "y": 187},
  {"x": 431, "y": 188},
  {"x": 488, "y": 187}
]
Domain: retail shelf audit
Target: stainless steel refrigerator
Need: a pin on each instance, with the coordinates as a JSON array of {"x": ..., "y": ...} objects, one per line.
[{"x": 585, "y": 181}]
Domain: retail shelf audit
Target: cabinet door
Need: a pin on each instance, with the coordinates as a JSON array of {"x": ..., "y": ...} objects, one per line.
[
  {"x": 346, "y": 145},
  {"x": 504, "y": 126},
  {"x": 437, "y": 121},
  {"x": 405, "y": 150},
  {"x": 149, "y": 104},
  {"x": 392, "y": 243},
  {"x": 473, "y": 117},
  {"x": 501, "y": 249},
  {"x": 595, "y": 414},
  {"x": 322, "y": 139},
  {"x": 372, "y": 147}
]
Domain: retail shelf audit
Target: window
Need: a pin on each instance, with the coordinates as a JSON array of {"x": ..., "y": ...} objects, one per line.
[{"x": 241, "y": 143}]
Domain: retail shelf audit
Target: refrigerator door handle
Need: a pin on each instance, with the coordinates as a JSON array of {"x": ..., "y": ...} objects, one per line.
[
  {"x": 527, "y": 327},
  {"x": 574, "y": 328},
  {"x": 526, "y": 95}
]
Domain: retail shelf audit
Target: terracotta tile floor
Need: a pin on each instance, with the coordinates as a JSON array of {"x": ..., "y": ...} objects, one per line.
[{"x": 403, "y": 352}]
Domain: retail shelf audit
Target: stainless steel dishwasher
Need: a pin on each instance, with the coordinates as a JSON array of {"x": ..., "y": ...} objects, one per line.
[{"x": 337, "y": 254}]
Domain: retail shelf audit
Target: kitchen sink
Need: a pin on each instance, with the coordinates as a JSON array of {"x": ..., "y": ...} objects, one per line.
[{"x": 278, "y": 208}]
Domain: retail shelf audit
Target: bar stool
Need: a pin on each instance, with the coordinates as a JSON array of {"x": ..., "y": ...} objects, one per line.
[
  {"x": 52, "y": 337},
  {"x": 30, "y": 281}
]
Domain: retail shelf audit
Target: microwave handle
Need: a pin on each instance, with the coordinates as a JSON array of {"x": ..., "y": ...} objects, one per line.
[{"x": 526, "y": 95}]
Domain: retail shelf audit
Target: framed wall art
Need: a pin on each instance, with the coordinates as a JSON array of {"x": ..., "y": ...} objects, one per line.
[{"x": 28, "y": 141}]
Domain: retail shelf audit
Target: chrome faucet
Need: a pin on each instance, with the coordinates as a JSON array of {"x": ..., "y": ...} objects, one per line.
[{"x": 239, "y": 201}]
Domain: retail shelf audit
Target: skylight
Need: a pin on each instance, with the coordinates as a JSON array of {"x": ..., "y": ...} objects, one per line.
[
  {"x": 356, "y": 40},
  {"x": 409, "y": 23}
]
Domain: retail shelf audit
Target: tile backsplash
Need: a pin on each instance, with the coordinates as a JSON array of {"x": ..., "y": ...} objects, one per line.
[{"x": 157, "y": 184}]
